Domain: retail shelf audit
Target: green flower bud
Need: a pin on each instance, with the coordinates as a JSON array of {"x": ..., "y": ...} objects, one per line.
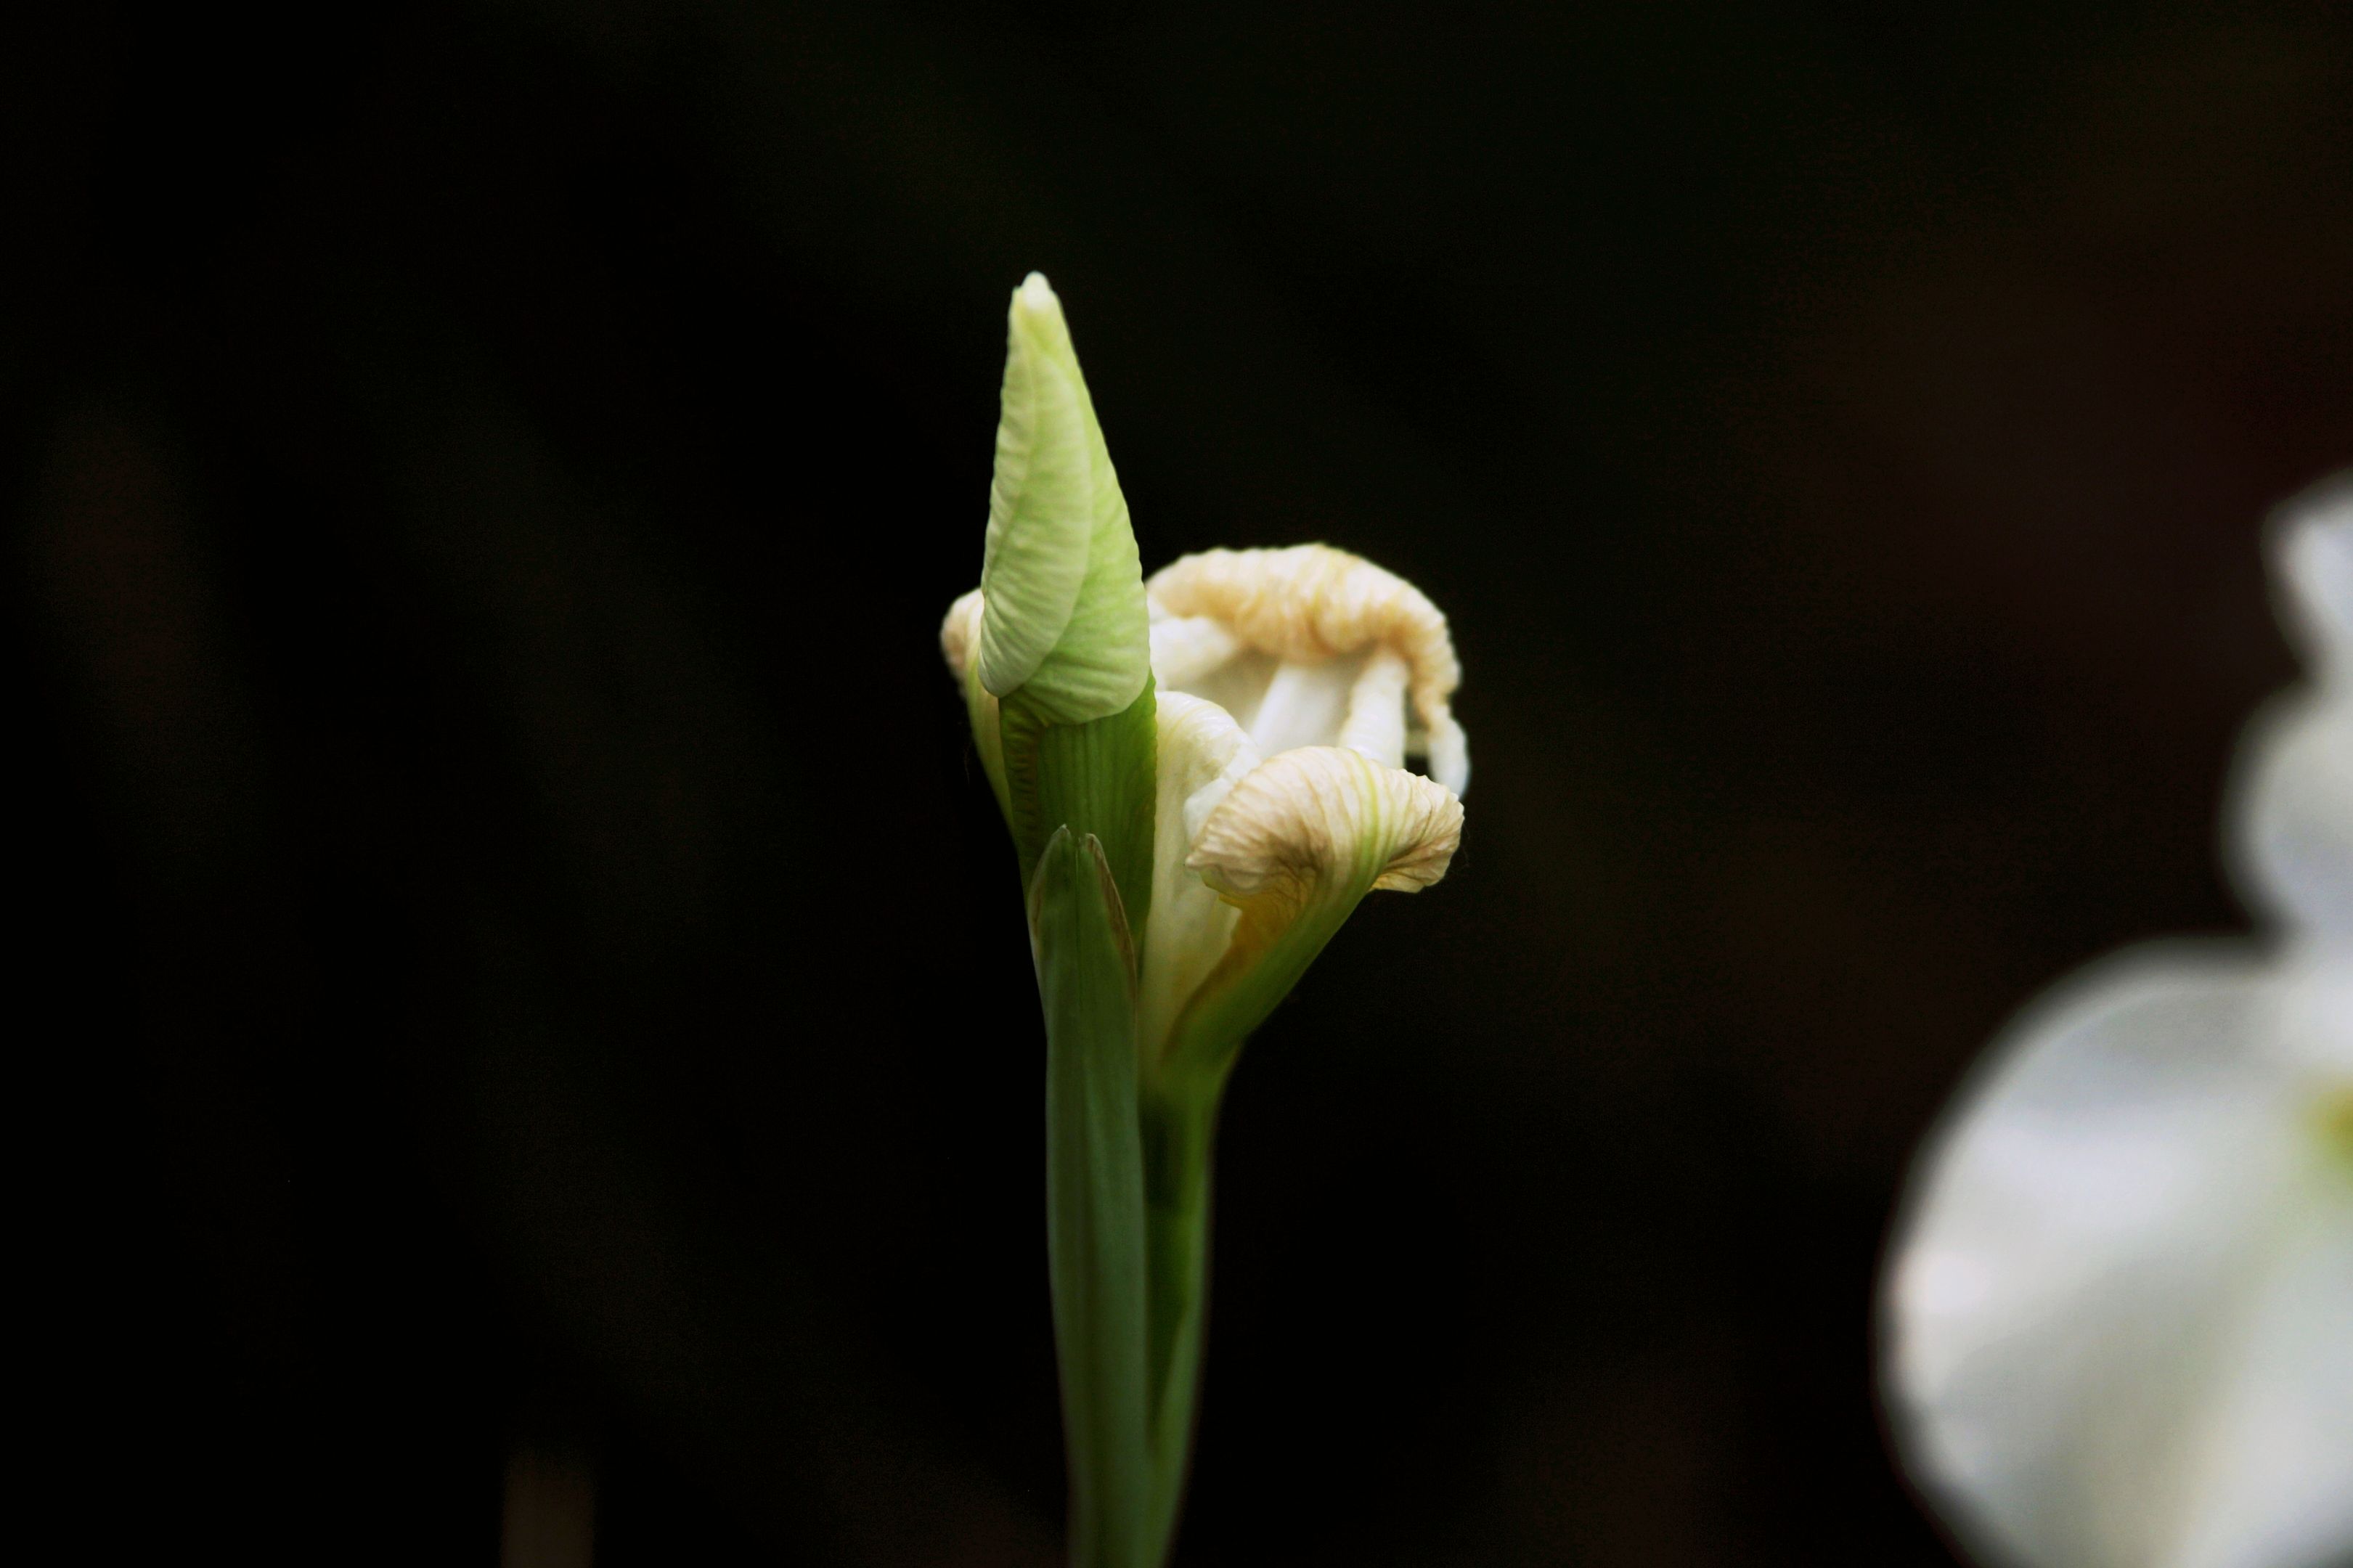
[{"x": 1063, "y": 619}]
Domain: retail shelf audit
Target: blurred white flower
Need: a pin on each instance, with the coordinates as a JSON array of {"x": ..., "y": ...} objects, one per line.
[{"x": 2118, "y": 1327}]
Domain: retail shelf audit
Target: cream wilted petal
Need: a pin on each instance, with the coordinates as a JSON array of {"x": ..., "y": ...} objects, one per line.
[
  {"x": 960, "y": 642},
  {"x": 1323, "y": 817},
  {"x": 1310, "y": 645},
  {"x": 1333, "y": 671},
  {"x": 1288, "y": 850},
  {"x": 1292, "y": 686}
]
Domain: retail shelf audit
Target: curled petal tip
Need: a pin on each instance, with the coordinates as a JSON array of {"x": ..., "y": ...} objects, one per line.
[
  {"x": 1332, "y": 617},
  {"x": 1327, "y": 818}
]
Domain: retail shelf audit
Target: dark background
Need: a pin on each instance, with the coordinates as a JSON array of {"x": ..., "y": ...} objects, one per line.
[{"x": 518, "y": 953}]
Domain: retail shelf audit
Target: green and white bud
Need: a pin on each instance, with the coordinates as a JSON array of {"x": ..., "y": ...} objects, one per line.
[{"x": 1063, "y": 619}]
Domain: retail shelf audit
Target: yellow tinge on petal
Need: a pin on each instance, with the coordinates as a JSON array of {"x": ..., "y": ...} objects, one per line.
[
  {"x": 960, "y": 641},
  {"x": 1292, "y": 685},
  {"x": 1311, "y": 645},
  {"x": 1326, "y": 817},
  {"x": 1293, "y": 845},
  {"x": 1203, "y": 755}
]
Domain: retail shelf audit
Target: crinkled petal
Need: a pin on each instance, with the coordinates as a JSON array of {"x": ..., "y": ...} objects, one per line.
[
  {"x": 1293, "y": 845},
  {"x": 2292, "y": 822},
  {"x": 1312, "y": 605},
  {"x": 2099, "y": 1326},
  {"x": 1326, "y": 817}
]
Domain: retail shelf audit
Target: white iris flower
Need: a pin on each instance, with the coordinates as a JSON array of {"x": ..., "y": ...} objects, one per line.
[
  {"x": 1292, "y": 686},
  {"x": 2120, "y": 1310}
]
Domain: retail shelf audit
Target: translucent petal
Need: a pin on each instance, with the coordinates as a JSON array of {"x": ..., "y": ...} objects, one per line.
[
  {"x": 1203, "y": 754},
  {"x": 2095, "y": 1311}
]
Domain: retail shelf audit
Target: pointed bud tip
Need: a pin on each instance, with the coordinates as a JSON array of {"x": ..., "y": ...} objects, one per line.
[{"x": 1036, "y": 295}]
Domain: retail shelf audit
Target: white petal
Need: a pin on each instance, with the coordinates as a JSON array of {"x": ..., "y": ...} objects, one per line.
[
  {"x": 2094, "y": 1312},
  {"x": 1306, "y": 704},
  {"x": 2291, "y": 822},
  {"x": 1203, "y": 754},
  {"x": 2312, "y": 555},
  {"x": 2277, "y": 1447},
  {"x": 1375, "y": 721},
  {"x": 2292, "y": 819},
  {"x": 1186, "y": 649}
]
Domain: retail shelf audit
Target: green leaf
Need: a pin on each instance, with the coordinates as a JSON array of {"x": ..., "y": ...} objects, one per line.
[{"x": 1094, "y": 1197}]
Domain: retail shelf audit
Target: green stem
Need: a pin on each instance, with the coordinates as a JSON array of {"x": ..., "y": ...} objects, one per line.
[
  {"x": 1096, "y": 777},
  {"x": 1095, "y": 1198},
  {"x": 1176, "y": 1146}
]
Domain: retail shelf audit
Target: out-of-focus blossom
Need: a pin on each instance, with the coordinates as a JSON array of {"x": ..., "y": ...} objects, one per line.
[{"x": 2118, "y": 1321}]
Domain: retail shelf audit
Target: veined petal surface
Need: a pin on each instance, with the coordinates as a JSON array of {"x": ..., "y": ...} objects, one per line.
[
  {"x": 1310, "y": 645},
  {"x": 1323, "y": 818}
]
